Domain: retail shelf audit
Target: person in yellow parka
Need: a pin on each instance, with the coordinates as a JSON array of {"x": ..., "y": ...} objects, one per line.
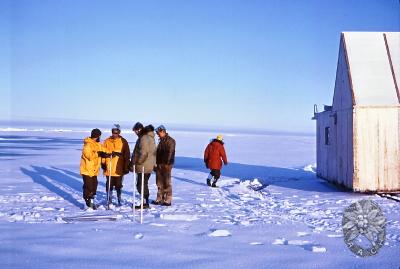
[
  {"x": 119, "y": 160},
  {"x": 90, "y": 164}
]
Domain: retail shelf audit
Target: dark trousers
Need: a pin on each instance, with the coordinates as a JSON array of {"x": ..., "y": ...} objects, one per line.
[
  {"x": 163, "y": 181},
  {"x": 146, "y": 193},
  {"x": 216, "y": 173},
  {"x": 116, "y": 182},
  {"x": 89, "y": 187}
]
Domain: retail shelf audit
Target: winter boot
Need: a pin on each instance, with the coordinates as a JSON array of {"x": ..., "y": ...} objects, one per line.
[
  {"x": 87, "y": 201},
  {"x": 209, "y": 178},
  {"x": 214, "y": 184},
  {"x": 145, "y": 204},
  {"x": 92, "y": 205},
  {"x": 154, "y": 202}
]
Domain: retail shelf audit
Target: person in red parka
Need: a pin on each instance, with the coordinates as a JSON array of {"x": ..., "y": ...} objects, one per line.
[{"x": 214, "y": 155}]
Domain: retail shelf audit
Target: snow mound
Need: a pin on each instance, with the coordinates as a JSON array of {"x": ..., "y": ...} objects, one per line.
[
  {"x": 220, "y": 233},
  {"x": 318, "y": 249},
  {"x": 253, "y": 184},
  {"x": 280, "y": 241},
  {"x": 302, "y": 234},
  {"x": 139, "y": 236},
  {"x": 311, "y": 168},
  {"x": 256, "y": 243}
]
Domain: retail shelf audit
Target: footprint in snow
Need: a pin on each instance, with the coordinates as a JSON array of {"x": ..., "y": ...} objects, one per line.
[{"x": 306, "y": 245}]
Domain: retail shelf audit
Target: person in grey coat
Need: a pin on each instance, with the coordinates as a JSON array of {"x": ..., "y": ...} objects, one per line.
[{"x": 143, "y": 157}]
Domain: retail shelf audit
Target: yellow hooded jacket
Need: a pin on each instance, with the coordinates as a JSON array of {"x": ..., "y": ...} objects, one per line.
[
  {"x": 90, "y": 160},
  {"x": 120, "y": 164}
]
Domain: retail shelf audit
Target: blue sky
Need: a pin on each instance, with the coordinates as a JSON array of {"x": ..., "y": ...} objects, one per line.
[{"x": 244, "y": 64}]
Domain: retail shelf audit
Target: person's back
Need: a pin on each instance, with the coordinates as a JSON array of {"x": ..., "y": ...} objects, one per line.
[
  {"x": 143, "y": 159},
  {"x": 214, "y": 155},
  {"x": 144, "y": 154}
]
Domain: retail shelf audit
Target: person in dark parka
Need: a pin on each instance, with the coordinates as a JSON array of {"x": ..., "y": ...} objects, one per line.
[
  {"x": 165, "y": 159},
  {"x": 144, "y": 158},
  {"x": 214, "y": 155}
]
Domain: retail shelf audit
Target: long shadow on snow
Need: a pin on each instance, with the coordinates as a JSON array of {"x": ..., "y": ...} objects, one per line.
[
  {"x": 39, "y": 178},
  {"x": 189, "y": 181},
  {"x": 283, "y": 177},
  {"x": 58, "y": 173}
]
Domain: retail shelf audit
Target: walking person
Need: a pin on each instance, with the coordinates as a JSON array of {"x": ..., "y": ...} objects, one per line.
[
  {"x": 165, "y": 159},
  {"x": 119, "y": 160},
  {"x": 214, "y": 155},
  {"x": 90, "y": 165},
  {"x": 144, "y": 159}
]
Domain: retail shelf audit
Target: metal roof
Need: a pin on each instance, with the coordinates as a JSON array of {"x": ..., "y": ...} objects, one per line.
[{"x": 374, "y": 64}]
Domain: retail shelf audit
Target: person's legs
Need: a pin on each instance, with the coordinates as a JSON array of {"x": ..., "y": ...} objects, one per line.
[
  {"x": 86, "y": 189},
  {"x": 146, "y": 192},
  {"x": 210, "y": 179},
  {"x": 167, "y": 186},
  {"x": 94, "y": 185},
  {"x": 89, "y": 189},
  {"x": 159, "y": 184},
  {"x": 117, "y": 183},
  {"x": 216, "y": 175}
]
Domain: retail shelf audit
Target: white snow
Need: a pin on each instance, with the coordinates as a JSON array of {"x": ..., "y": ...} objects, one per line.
[
  {"x": 270, "y": 210},
  {"x": 219, "y": 233},
  {"x": 139, "y": 236}
]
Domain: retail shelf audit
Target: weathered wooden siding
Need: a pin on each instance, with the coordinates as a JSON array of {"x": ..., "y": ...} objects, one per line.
[
  {"x": 324, "y": 152},
  {"x": 344, "y": 151},
  {"x": 364, "y": 153},
  {"x": 376, "y": 149},
  {"x": 341, "y": 160},
  {"x": 342, "y": 96}
]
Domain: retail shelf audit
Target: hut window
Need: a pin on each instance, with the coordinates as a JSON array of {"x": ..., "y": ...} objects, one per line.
[{"x": 327, "y": 142}]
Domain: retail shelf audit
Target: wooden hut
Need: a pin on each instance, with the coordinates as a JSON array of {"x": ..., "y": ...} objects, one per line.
[{"x": 358, "y": 137}]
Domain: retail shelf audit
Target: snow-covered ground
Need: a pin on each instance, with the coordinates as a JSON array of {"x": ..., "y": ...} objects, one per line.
[{"x": 270, "y": 210}]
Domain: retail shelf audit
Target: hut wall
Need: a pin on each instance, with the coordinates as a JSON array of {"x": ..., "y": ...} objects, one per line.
[
  {"x": 326, "y": 161},
  {"x": 376, "y": 148}
]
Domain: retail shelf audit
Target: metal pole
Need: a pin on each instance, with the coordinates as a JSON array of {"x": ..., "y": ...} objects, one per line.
[
  {"x": 109, "y": 184},
  {"x": 141, "y": 206},
  {"x": 134, "y": 192}
]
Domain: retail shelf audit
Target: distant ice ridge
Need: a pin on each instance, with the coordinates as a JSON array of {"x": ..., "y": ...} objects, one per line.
[
  {"x": 9, "y": 129},
  {"x": 52, "y": 130}
]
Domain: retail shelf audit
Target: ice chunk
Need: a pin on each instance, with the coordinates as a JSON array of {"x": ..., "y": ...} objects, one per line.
[{"x": 220, "y": 233}]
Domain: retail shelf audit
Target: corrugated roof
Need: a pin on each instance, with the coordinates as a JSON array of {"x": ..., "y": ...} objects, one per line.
[{"x": 374, "y": 64}]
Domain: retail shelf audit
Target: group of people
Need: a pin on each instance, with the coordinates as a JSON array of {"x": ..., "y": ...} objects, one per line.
[{"x": 114, "y": 158}]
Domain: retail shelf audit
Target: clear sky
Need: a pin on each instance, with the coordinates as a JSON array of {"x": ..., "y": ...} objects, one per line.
[{"x": 247, "y": 64}]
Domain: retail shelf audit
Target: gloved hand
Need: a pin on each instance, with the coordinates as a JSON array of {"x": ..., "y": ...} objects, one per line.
[
  {"x": 103, "y": 154},
  {"x": 114, "y": 153}
]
